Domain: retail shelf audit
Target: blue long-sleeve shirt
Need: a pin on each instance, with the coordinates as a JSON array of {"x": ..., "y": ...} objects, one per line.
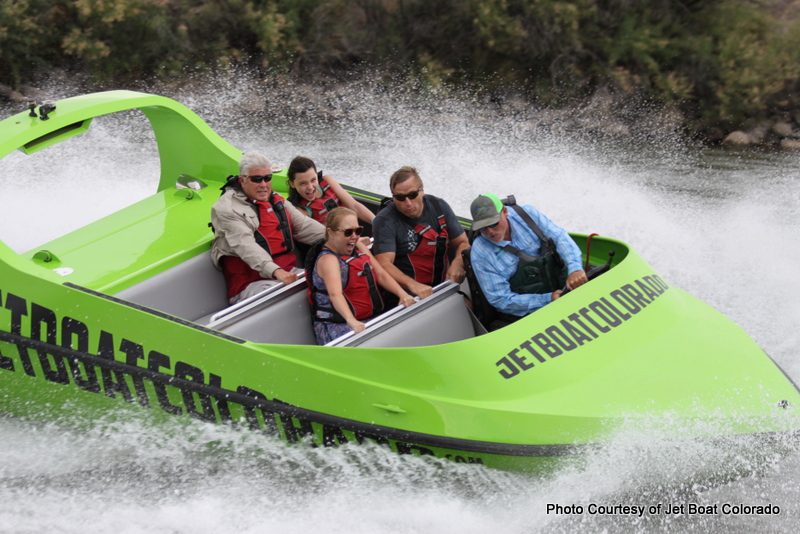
[{"x": 494, "y": 266}]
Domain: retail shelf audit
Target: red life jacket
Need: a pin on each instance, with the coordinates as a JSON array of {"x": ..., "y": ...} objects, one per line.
[
  {"x": 274, "y": 235},
  {"x": 359, "y": 286},
  {"x": 319, "y": 207},
  {"x": 428, "y": 262}
]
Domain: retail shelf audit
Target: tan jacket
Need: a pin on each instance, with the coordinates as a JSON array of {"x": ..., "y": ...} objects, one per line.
[{"x": 235, "y": 223}]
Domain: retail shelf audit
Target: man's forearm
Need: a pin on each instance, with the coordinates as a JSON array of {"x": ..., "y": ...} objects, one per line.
[{"x": 458, "y": 257}]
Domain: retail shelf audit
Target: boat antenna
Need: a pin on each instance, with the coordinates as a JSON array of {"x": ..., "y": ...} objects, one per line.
[{"x": 588, "y": 248}]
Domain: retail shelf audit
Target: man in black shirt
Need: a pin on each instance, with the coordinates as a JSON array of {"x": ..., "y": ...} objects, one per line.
[{"x": 416, "y": 236}]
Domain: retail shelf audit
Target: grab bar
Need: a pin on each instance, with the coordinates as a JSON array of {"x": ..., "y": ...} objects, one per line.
[
  {"x": 388, "y": 316},
  {"x": 252, "y": 299}
]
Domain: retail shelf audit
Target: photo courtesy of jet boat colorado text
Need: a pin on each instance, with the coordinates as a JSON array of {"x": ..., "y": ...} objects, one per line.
[{"x": 683, "y": 508}]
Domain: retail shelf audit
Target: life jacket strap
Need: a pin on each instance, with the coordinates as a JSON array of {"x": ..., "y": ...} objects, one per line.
[
  {"x": 283, "y": 222},
  {"x": 546, "y": 243}
]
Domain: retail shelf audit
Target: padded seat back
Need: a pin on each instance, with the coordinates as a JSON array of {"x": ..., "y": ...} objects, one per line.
[
  {"x": 440, "y": 318},
  {"x": 282, "y": 316},
  {"x": 190, "y": 290}
]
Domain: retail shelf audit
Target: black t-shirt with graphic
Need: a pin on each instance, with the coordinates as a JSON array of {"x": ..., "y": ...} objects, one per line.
[{"x": 394, "y": 232}]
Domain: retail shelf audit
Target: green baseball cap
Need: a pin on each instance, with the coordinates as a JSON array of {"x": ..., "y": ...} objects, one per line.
[{"x": 485, "y": 210}]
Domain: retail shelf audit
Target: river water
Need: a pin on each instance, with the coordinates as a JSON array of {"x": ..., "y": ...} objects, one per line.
[{"x": 720, "y": 224}]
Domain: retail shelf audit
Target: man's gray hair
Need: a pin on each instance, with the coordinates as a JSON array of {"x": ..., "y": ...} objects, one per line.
[{"x": 252, "y": 160}]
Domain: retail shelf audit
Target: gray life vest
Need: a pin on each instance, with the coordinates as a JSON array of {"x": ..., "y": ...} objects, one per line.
[{"x": 537, "y": 274}]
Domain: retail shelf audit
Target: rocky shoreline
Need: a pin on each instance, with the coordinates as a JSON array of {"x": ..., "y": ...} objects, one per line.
[{"x": 781, "y": 133}]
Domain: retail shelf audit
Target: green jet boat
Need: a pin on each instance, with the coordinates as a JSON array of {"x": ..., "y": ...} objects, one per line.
[{"x": 129, "y": 310}]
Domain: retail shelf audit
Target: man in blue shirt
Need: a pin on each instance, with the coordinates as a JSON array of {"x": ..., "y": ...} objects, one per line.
[{"x": 520, "y": 257}]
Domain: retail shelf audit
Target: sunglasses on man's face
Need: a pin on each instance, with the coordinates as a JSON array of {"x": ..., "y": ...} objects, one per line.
[
  {"x": 400, "y": 197},
  {"x": 350, "y": 231},
  {"x": 491, "y": 226},
  {"x": 257, "y": 179}
]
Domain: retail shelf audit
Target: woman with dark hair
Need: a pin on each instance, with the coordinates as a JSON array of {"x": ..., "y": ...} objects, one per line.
[
  {"x": 344, "y": 279},
  {"x": 316, "y": 195}
]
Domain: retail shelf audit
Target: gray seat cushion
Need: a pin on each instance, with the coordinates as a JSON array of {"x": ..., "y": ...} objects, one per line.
[{"x": 191, "y": 290}]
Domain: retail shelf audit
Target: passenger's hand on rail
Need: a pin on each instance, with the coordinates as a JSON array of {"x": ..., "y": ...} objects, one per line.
[
  {"x": 357, "y": 326},
  {"x": 420, "y": 290},
  {"x": 456, "y": 272},
  {"x": 556, "y": 294},
  {"x": 406, "y": 300},
  {"x": 284, "y": 276},
  {"x": 576, "y": 279}
]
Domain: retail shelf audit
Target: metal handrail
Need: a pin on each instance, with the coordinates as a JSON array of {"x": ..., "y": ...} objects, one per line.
[
  {"x": 255, "y": 299},
  {"x": 390, "y": 315}
]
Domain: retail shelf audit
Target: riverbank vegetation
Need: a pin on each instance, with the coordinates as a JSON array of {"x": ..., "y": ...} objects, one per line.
[{"x": 722, "y": 66}]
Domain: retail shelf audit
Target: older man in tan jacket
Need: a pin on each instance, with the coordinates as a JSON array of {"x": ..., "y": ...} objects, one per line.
[{"x": 255, "y": 230}]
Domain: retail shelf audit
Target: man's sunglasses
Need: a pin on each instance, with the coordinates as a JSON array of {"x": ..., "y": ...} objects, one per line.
[
  {"x": 490, "y": 226},
  {"x": 400, "y": 197},
  {"x": 260, "y": 178},
  {"x": 350, "y": 231}
]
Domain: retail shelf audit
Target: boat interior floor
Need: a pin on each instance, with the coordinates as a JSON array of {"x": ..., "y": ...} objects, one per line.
[{"x": 195, "y": 291}]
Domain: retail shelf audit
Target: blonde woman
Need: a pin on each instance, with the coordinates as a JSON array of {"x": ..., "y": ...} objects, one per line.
[{"x": 345, "y": 278}]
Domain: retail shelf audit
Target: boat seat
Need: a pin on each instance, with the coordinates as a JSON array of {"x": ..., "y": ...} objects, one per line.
[
  {"x": 195, "y": 291},
  {"x": 486, "y": 314},
  {"x": 192, "y": 290},
  {"x": 440, "y": 318},
  {"x": 281, "y": 314}
]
